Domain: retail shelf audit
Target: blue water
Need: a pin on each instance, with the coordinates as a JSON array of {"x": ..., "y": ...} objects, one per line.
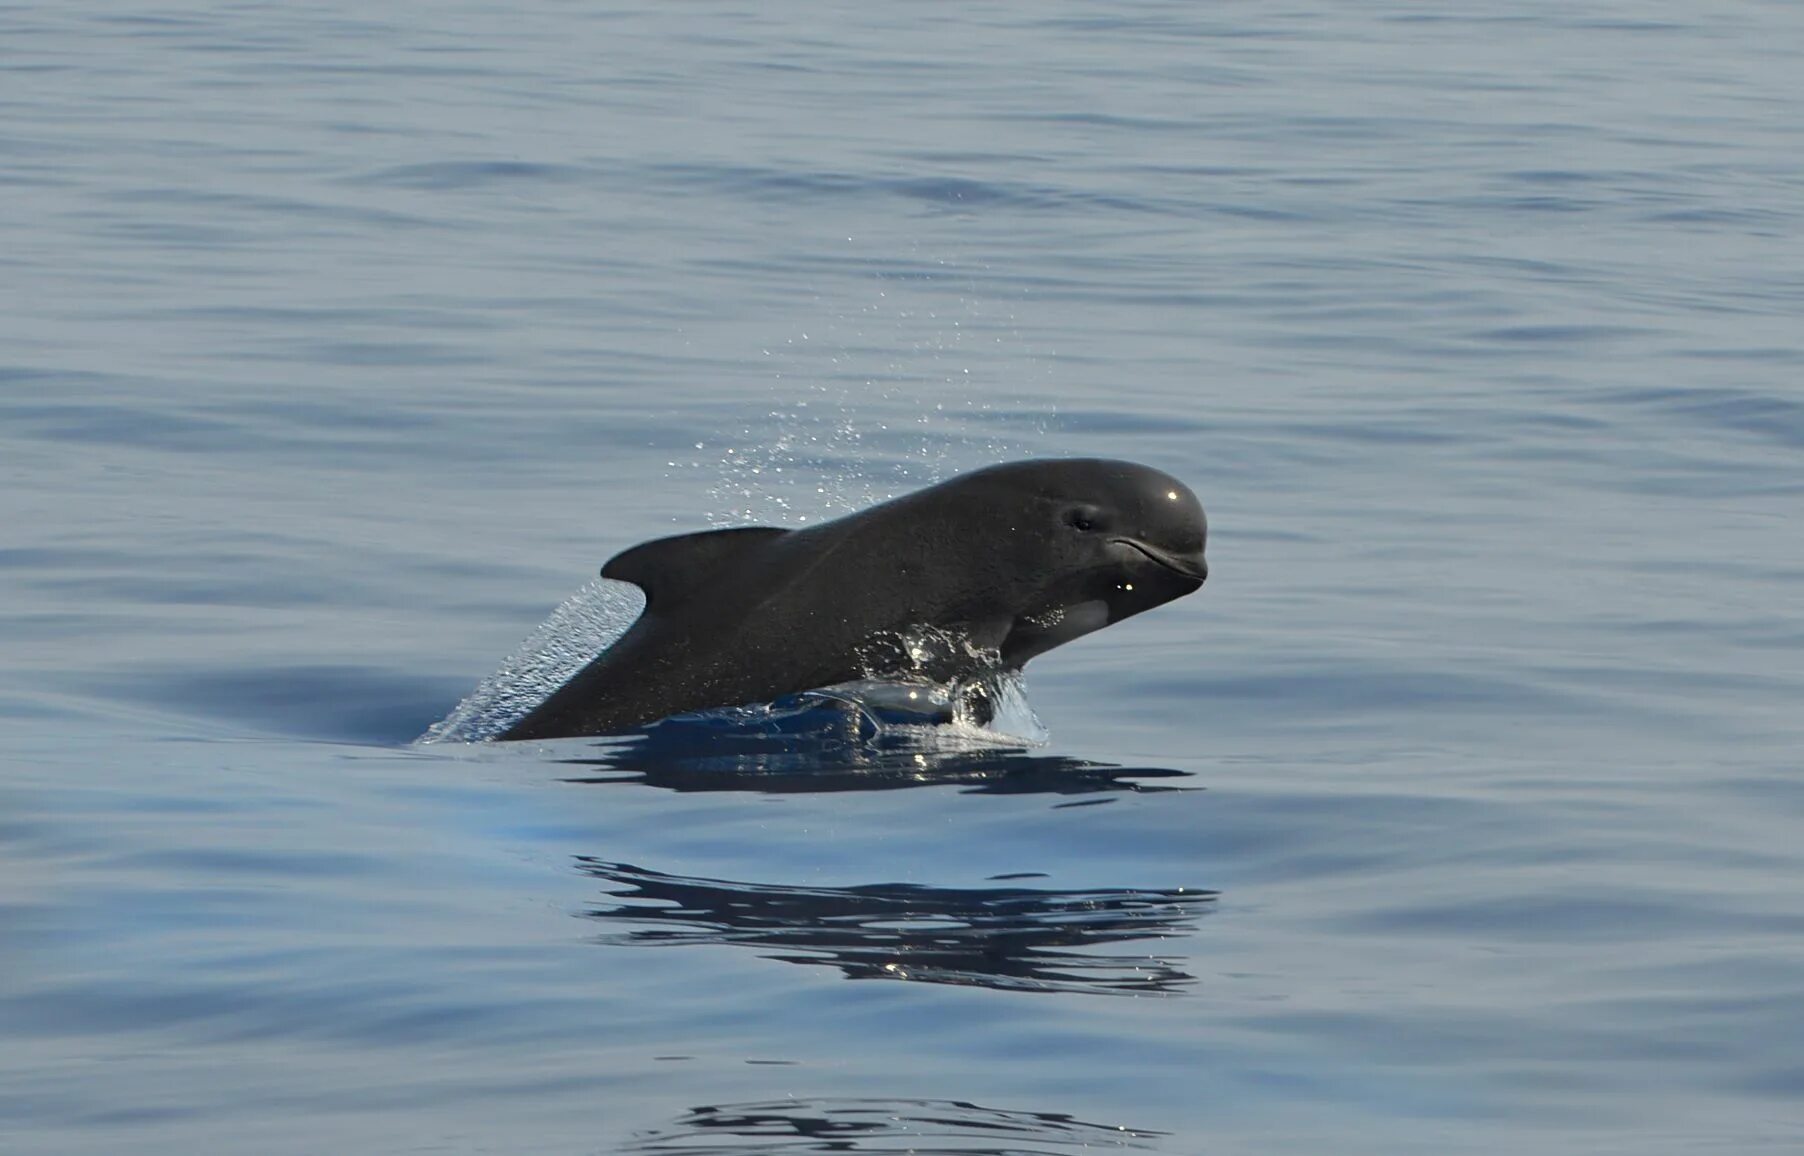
[{"x": 1459, "y": 813}]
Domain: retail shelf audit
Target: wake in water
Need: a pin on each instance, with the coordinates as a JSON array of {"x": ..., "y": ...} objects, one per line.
[{"x": 587, "y": 623}]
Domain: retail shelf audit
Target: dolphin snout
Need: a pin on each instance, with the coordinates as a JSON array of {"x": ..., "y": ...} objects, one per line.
[{"x": 1190, "y": 565}]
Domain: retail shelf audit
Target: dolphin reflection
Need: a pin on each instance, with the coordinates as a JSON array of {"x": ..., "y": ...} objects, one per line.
[
  {"x": 1006, "y": 937},
  {"x": 979, "y": 773},
  {"x": 817, "y": 742},
  {"x": 927, "y": 1127}
]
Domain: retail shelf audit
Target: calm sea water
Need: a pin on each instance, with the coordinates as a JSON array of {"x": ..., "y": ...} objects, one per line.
[{"x": 1459, "y": 813}]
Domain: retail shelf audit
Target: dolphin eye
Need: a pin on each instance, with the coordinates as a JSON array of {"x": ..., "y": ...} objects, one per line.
[{"x": 1082, "y": 519}]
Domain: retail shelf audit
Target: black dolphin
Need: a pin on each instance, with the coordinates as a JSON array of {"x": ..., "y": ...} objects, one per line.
[{"x": 987, "y": 570}]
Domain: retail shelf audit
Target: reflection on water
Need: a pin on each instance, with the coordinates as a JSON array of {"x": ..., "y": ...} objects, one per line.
[
  {"x": 828, "y": 744},
  {"x": 922, "y": 1127},
  {"x": 1006, "y": 937},
  {"x": 786, "y": 771}
]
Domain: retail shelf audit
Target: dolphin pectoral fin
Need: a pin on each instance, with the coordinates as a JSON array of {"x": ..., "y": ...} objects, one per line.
[{"x": 671, "y": 570}]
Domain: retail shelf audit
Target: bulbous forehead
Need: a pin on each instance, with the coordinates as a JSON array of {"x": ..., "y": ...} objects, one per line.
[
  {"x": 1128, "y": 487},
  {"x": 1054, "y": 475}
]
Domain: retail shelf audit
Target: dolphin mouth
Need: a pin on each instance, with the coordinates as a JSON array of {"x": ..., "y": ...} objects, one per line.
[{"x": 1193, "y": 568}]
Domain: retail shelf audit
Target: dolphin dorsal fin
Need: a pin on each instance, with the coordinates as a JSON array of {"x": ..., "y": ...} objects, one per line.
[{"x": 671, "y": 570}]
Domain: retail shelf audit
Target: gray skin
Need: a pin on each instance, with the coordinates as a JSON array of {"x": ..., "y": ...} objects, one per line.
[{"x": 982, "y": 572}]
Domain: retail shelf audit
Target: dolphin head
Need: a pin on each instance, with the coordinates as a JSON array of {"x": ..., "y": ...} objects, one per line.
[{"x": 1103, "y": 540}]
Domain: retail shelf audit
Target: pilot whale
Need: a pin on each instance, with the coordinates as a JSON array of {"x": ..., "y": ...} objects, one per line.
[{"x": 981, "y": 572}]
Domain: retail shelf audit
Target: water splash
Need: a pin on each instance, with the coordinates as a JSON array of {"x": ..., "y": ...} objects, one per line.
[
  {"x": 821, "y": 458},
  {"x": 587, "y": 623},
  {"x": 873, "y": 400},
  {"x": 985, "y": 710},
  {"x": 1012, "y": 714},
  {"x": 939, "y": 683}
]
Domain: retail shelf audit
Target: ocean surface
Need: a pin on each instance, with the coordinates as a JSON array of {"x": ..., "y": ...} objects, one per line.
[{"x": 1461, "y": 812}]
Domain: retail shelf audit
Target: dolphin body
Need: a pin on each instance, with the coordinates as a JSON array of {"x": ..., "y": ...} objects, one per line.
[{"x": 981, "y": 572}]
